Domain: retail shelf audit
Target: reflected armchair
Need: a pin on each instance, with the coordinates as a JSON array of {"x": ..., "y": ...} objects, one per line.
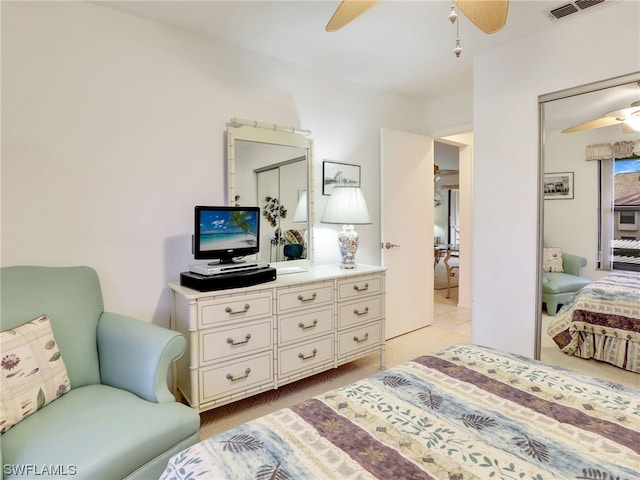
[{"x": 559, "y": 286}]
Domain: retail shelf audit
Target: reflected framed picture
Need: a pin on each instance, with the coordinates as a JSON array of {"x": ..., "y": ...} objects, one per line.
[
  {"x": 334, "y": 174},
  {"x": 558, "y": 186}
]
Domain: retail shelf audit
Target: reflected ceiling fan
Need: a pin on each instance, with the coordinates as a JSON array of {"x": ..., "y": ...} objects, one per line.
[
  {"x": 445, "y": 171},
  {"x": 628, "y": 117},
  {"x": 488, "y": 15},
  {"x": 439, "y": 172}
]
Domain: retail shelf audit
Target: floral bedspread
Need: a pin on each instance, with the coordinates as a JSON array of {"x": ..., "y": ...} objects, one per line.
[
  {"x": 602, "y": 321},
  {"x": 466, "y": 412}
]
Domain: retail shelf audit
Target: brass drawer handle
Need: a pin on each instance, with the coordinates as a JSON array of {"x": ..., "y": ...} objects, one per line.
[
  {"x": 231, "y": 341},
  {"x": 235, "y": 379},
  {"x": 363, "y": 289},
  {"x": 364, "y": 339},
  {"x": 359, "y": 313},
  {"x": 230, "y": 310},
  {"x": 310, "y": 299},
  {"x": 303, "y": 357},
  {"x": 307, "y": 327}
]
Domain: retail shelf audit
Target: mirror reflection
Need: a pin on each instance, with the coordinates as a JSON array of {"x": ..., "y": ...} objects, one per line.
[
  {"x": 270, "y": 169},
  {"x": 274, "y": 177},
  {"x": 590, "y": 211}
]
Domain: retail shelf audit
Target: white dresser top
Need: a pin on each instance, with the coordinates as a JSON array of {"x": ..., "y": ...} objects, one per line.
[{"x": 315, "y": 273}]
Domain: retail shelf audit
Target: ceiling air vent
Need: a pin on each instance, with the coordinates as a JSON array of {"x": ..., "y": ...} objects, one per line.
[
  {"x": 582, "y": 4},
  {"x": 573, "y": 7}
]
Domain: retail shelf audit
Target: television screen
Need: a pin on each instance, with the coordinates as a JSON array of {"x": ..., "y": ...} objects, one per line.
[{"x": 225, "y": 233}]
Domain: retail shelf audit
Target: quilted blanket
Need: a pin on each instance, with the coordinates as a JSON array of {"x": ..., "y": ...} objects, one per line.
[
  {"x": 602, "y": 321},
  {"x": 466, "y": 412}
]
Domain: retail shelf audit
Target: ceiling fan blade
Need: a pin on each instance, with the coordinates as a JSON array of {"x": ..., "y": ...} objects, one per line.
[
  {"x": 488, "y": 15},
  {"x": 590, "y": 125},
  {"x": 623, "y": 112},
  {"x": 348, "y": 11}
]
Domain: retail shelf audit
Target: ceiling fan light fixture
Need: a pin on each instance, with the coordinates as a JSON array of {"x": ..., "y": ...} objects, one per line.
[{"x": 633, "y": 122}]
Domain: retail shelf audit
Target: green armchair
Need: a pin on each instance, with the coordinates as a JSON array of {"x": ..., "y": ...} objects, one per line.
[
  {"x": 118, "y": 419},
  {"x": 558, "y": 288}
]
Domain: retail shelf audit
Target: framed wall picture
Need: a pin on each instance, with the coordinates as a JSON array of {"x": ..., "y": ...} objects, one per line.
[
  {"x": 334, "y": 173},
  {"x": 558, "y": 186}
]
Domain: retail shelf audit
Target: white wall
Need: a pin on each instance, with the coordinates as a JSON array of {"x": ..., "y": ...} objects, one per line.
[
  {"x": 507, "y": 83},
  {"x": 113, "y": 130}
]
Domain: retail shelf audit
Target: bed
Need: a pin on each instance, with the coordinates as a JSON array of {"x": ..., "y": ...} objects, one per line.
[
  {"x": 602, "y": 321},
  {"x": 465, "y": 412}
]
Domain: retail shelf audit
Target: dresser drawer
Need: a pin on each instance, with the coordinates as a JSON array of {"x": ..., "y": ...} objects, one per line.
[
  {"x": 305, "y": 355},
  {"x": 303, "y": 297},
  {"x": 233, "y": 308},
  {"x": 243, "y": 374},
  {"x": 359, "y": 338},
  {"x": 243, "y": 339},
  {"x": 359, "y": 287},
  {"x": 365, "y": 310},
  {"x": 300, "y": 326}
]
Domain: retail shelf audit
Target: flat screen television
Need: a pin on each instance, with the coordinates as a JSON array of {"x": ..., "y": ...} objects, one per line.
[{"x": 226, "y": 233}]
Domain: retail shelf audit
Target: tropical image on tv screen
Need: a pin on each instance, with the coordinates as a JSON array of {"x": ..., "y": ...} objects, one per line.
[{"x": 225, "y": 229}]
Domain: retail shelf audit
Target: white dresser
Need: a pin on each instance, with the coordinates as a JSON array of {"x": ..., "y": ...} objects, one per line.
[{"x": 247, "y": 340}]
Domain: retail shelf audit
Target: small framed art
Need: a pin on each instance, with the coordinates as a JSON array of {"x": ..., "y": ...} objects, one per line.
[
  {"x": 558, "y": 186},
  {"x": 334, "y": 174}
]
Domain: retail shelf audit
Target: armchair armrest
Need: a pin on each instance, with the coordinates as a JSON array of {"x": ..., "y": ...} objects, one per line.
[
  {"x": 135, "y": 355},
  {"x": 573, "y": 264}
]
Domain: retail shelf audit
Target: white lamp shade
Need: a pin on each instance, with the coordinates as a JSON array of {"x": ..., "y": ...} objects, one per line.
[
  {"x": 301, "y": 210},
  {"x": 346, "y": 206}
]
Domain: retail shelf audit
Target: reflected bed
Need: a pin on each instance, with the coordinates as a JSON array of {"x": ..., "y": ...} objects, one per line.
[
  {"x": 602, "y": 321},
  {"x": 464, "y": 412}
]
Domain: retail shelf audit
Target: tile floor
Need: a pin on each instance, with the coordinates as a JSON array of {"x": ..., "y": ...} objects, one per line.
[{"x": 448, "y": 315}]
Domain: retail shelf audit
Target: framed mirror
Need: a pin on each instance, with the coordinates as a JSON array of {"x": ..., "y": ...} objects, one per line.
[
  {"x": 569, "y": 218},
  {"x": 269, "y": 166}
]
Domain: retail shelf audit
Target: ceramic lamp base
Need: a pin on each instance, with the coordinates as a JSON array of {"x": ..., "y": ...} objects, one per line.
[{"x": 348, "y": 240}]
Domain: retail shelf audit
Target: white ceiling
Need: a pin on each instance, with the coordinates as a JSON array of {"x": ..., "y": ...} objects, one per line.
[{"x": 399, "y": 46}]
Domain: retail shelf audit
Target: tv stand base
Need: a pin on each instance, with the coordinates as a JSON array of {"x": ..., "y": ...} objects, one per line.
[{"x": 223, "y": 281}]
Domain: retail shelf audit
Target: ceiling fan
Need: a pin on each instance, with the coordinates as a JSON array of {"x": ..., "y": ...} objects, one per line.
[
  {"x": 628, "y": 117},
  {"x": 488, "y": 15}
]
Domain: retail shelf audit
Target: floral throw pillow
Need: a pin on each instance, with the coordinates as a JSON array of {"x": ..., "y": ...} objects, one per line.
[
  {"x": 552, "y": 260},
  {"x": 33, "y": 372}
]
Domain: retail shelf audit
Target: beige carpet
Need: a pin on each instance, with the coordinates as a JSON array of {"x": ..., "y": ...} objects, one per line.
[{"x": 398, "y": 350}]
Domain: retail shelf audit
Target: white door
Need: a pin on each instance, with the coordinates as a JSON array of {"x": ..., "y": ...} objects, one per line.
[{"x": 407, "y": 229}]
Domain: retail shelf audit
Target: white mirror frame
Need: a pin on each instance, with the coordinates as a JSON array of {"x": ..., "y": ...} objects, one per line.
[
  {"x": 542, "y": 100},
  {"x": 268, "y": 133}
]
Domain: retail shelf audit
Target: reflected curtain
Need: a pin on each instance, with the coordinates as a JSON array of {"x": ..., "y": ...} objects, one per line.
[
  {"x": 606, "y": 213},
  {"x": 609, "y": 151}
]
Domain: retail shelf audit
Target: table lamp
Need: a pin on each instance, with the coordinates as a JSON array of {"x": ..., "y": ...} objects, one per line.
[{"x": 347, "y": 207}]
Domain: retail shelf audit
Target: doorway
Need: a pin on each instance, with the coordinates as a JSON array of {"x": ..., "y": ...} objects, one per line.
[{"x": 446, "y": 228}]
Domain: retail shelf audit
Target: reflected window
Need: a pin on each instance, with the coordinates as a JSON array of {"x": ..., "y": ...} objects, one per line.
[{"x": 620, "y": 214}]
